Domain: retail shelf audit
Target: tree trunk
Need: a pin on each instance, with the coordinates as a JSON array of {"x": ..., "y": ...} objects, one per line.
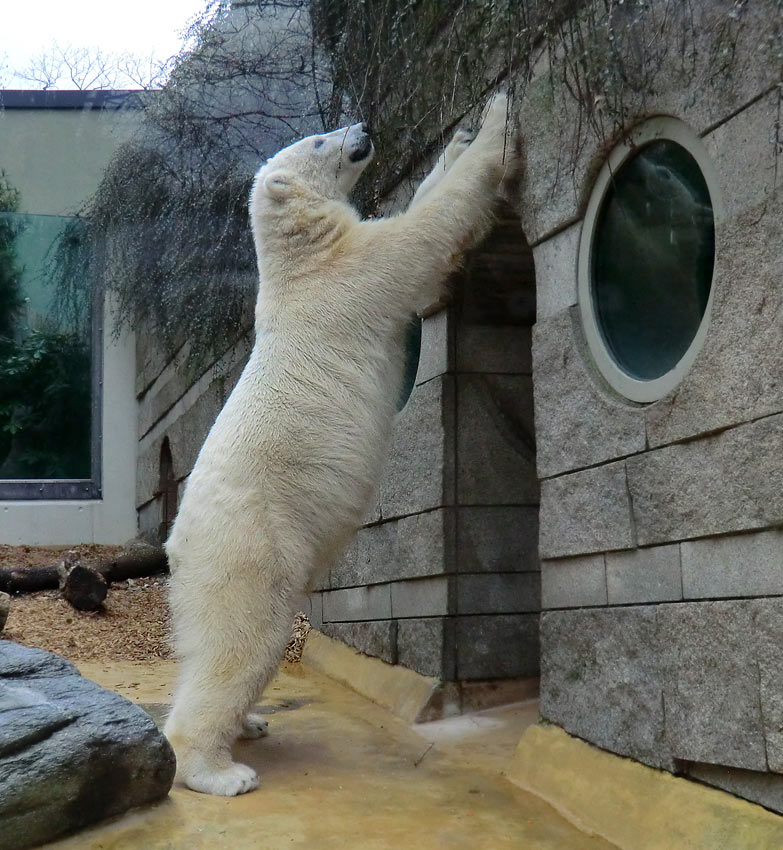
[{"x": 84, "y": 587}]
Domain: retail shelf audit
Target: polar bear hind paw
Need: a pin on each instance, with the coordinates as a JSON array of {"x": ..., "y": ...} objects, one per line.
[
  {"x": 225, "y": 782},
  {"x": 254, "y": 726}
]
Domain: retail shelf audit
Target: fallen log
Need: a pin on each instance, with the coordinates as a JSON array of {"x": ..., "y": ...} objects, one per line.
[{"x": 136, "y": 562}]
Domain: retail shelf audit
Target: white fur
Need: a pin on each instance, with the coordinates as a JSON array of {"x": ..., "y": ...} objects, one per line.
[{"x": 287, "y": 471}]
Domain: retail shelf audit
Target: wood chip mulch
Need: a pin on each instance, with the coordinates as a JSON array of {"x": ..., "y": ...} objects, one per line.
[{"x": 133, "y": 625}]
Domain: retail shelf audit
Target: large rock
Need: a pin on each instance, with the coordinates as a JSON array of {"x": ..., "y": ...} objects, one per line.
[{"x": 71, "y": 753}]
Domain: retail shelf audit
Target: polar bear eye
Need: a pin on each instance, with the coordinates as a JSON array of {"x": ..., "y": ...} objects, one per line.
[{"x": 317, "y": 143}]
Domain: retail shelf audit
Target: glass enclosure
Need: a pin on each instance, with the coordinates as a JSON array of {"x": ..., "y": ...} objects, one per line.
[{"x": 48, "y": 365}]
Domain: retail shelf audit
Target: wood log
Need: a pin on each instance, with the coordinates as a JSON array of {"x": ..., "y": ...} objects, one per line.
[
  {"x": 84, "y": 587},
  {"x": 135, "y": 562},
  {"x": 5, "y": 607}
]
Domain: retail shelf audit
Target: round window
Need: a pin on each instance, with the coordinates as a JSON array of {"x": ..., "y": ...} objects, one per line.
[{"x": 646, "y": 260}]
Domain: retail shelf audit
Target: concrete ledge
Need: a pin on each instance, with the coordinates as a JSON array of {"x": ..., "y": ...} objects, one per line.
[
  {"x": 411, "y": 696},
  {"x": 398, "y": 689},
  {"x": 633, "y": 806}
]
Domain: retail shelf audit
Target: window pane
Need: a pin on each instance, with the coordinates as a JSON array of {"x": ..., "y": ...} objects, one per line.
[
  {"x": 652, "y": 259},
  {"x": 45, "y": 352}
]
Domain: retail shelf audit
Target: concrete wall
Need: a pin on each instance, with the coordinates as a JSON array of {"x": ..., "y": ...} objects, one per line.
[
  {"x": 661, "y": 552},
  {"x": 444, "y": 576},
  {"x": 55, "y": 158}
]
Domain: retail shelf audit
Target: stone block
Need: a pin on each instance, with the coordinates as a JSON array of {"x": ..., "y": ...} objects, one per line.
[
  {"x": 578, "y": 422},
  {"x": 419, "y": 472},
  {"x": 426, "y": 645},
  {"x": 766, "y": 789},
  {"x": 498, "y": 593},
  {"x": 741, "y": 565},
  {"x": 600, "y": 680},
  {"x": 556, "y": 268},
  {"x": 314, "y": 609},
  {"x": 71, "y": 753},
  {"x": 434, "y": 356},
  {"x": 711, "y": 683},
  {"x": 495, "y": 440},
  {"x": 345, "y": 571},
  {"x": 497, "y": 539},
  {"x": 411, "y": 547},
  {"x": 498, "y": 349},
  {"x": 424, "y": 597},
  {"x": 729, "y": 482},
  {"x": 378, "y": 639},
  {"x": 736, "y": 377},
  {"x": 562, "y": 150},
  {"x": 500, "y": 646},
  {"x": 357, "y": 603},
  {"x": 767, "y": 631},
  {"x": 586, "y": 512},
  {"x": 644, "y": 575},
  {"x": 574, "y": 582}
]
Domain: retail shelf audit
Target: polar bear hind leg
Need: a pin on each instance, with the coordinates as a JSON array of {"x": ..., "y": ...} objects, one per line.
[{"x": 225, "y": 662}]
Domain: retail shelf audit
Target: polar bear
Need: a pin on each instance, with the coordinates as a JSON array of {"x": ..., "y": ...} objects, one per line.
[{"x": 288, "y": 470}]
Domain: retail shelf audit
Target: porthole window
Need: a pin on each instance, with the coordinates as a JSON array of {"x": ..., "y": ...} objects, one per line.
[
  {"x": 412, "y": 343},
  {"x": 646, "y": 259}
]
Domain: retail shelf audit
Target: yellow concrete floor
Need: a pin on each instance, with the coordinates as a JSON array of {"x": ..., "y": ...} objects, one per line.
[{"x": 338, "y": 772}]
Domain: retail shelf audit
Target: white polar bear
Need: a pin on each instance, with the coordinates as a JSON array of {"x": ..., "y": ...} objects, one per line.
[{"x": 289, "y": 467}]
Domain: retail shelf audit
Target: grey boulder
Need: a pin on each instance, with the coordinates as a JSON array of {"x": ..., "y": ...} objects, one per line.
[{"x": 71, "y": 752}]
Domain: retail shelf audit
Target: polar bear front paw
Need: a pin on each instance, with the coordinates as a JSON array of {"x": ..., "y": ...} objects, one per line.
[
  {"x": 459, "y": 143},
  {"x": 254, "y": 726},
  {"x": 225, "y": 782}
]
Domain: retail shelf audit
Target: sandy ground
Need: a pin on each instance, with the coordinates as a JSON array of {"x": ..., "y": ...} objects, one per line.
[{"x": 133, "y": 625}]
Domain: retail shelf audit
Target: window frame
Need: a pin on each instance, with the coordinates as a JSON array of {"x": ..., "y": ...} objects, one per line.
[
  {"x": 654, "y": 129},
  {"x": 71, "y": 489}
]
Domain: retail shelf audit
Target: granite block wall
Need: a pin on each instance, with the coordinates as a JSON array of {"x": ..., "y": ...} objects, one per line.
[{"x": 660, "y": 525}]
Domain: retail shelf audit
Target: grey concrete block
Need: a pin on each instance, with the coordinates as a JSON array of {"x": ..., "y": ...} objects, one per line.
[
  {"x": 741, "y": 565},
  {"x": 578, "y": 423},
  {"x": 766, "y": 789},
  {"x": 499, "y": 349},
  {"x": 424, "y": 597},
  {"x": 495, "y": 440},
  {"x": 767, "y": 630},
  {"x": 434, "y": 357},
  {"x": 314, "y": 609},
  {"x": 556, "y": 267},
  {"x": 499, "y": 593},
  {"x": 345, "y": 572},
  {"x": 419, "y": 472},
  {"x": 426, "y": 646},
  {"x": 711, "y": 683},
  {"x": 644, "y": 575},
  {"x": 736, "y": 377},
  {"x": 600, "y": 680},
  {"x": 729, "y": 482},
  {"x": 378, "y": 639},
  {"x": 586, "y": 512},
  {"x": 411, "y": 547},
  {"x": 574, "y": 582},
  {"x": 497, "y": 538},
  {"x": 497, "y": 647},
  {"x": 357, "y": 603},
  {"x": 561, "y": 151}
]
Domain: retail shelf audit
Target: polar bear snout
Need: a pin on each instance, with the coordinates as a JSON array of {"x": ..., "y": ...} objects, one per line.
[{"x": 358, "y": 142}]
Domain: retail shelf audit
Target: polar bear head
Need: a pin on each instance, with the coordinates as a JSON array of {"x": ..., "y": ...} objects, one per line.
[{"x": 325, "y": 166}]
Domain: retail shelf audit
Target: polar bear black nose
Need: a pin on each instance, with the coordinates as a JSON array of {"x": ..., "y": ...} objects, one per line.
[{"x": 365, "y": 127}]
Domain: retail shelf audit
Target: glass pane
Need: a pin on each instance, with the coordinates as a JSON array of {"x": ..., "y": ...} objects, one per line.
[
  {"x": 412, "y": 344},
  {"x": 652, "y": 260},
  {"x": 45, "y": 353}
]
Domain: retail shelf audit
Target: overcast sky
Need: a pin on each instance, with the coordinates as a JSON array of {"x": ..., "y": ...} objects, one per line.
[{"x": 29, "y": 28}]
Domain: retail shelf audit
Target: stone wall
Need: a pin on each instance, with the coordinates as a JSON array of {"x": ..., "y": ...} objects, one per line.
[
  {"x": 444, "y": 577},
  {"x": 660, "y": 541}
]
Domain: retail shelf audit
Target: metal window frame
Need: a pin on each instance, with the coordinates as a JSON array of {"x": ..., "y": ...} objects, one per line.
[{"x": 71, "y": 489}]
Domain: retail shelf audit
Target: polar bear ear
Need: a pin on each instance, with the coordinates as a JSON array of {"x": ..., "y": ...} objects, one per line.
[{"x": 279, "y": 184}]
